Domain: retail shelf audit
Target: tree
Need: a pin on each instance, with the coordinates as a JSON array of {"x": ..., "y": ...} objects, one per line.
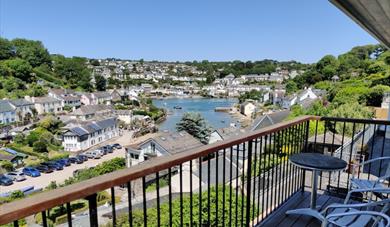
[
  {"x": 40, "y": 147},
  {"x": 350, "y": 110},
  {"x": 291, "y": 87},
  {"x": 100, "y": 83},
  {"x": 19, "y": 68},
  {"x": 195, "y": 125},
  {"x": 32, "y": 51},
  {"x": 253, "y": 94},
  {"x": 7, "y": 165},
  {"x": 6, "y": 49}
]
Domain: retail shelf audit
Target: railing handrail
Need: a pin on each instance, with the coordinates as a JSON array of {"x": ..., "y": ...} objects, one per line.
[
  {"x": 49, "y": 199},
  {"x": 355, "y": 120}
]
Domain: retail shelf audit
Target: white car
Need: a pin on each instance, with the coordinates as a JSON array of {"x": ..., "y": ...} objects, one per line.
[
  {"x": 16, "y": 176},
  {"x": 93, "y": 154}
]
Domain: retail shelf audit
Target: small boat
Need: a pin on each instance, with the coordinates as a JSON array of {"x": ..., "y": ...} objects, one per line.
[
  {"x": 223, "y": 121},
  {"x": 177, "y": 107}
]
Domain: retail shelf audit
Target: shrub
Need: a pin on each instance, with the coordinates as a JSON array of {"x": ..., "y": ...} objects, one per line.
[{"x": 40, "y": 146}]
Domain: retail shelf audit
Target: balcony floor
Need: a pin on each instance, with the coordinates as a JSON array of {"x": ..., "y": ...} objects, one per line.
[{"x": 299, "y": 200}]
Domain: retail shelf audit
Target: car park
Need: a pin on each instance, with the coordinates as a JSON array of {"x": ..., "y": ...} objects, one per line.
[
  {"x": 32, "y": 172},
  {"x": 16, "y": 176},
  {"x": 77, "y": 160},
  {"x": 5, "y": 181},
  {"x": 64, "y": 161}
]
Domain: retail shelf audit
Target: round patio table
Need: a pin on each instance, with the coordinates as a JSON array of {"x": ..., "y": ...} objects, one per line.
[{"x": 316, "y": 163}]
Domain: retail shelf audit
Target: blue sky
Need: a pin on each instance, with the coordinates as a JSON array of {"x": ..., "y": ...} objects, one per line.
[{"x": 171, "y": 30}]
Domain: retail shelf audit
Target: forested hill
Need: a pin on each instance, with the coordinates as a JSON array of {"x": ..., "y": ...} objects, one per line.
[
  {"x": 25, "y": 62},
  {"x": 361, "y": 75}
]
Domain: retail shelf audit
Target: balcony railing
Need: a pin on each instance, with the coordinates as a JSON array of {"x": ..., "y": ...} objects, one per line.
[{"x": 237, "y": 182}]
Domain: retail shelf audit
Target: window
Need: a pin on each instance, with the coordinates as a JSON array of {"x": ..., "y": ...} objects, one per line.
[{"x": 134, "y": 156}]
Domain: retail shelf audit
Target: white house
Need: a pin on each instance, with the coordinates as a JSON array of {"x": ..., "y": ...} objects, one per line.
[
  {"x": 22, "y": 107},
  {"x": 124, "y": 115},
  {"x": 247, "y": 108},
  {"x": 225, "y": 133},
  {"x": 46, "y": 104},
  {"x": 305, "y": 98},
  {"x": 162, "y": 144},
  {"x": 90, "y": 111},
  {"x": 68, "y": 97},
  {"x": 86, "y": 135},
  {"x": 7, "y": 112}
]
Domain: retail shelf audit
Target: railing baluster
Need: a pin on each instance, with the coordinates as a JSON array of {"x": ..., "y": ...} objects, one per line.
[
  {"x": 361, "y": 149},
  {"x": 267, "y": 156},
  {"x": 237, "y": 176},
  {"x": 92, "y": 204},
  {"x": 382, "y": 151},
  {"x": 323, "y": 151},
  {"x": 158, "y": 197},
  {"x": 351, "y": 151},
  {"x": 242, "y": 186},
  {"x": 216, "y": 188},
  {"x": 231, "y": 186},
  {"x": 16, "y": 223},
  {"x": 69, "y": 214},
  {"x": 248, "y": 183},
  {"x": 191, "y": 211},
  {"x": 44, "y": 218},
  {"x": 223, "y": 186},
  {"x": 113, "y": 206},
  {"x": 254, "y": 180},
  {"x": 332, "y": 149},
  {"x": 208, "y": 190},
  {"x": 130, "y": 207},
  {"x": 170, "y": 195},
  {"x": 200, "y": 192},
  {"x": 341, "y": 153},
  {"x": 181, "y": 193},
  {"x": 372, "y": 150},
  {"x": 262, "y": 175},
  {"x": 144, "y": 201}
]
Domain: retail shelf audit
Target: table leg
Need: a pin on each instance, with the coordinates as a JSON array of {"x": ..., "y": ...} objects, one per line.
[{"x": 314, "y": 182}]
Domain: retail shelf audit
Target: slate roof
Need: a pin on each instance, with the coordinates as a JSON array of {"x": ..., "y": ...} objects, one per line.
[
  {"x": 102, "y": 94},
  {"x": 229, "y": 132},
  {"x": 175, "y": 142},
  {"x": 45, "y": 99},
  {"x": 91, "y": 127},
  {"x": 91, "y": 109},
  {"x": 20, "y": 102},
  {"x": 270, "y": 119},
  {"x": 5, "y": 106}
]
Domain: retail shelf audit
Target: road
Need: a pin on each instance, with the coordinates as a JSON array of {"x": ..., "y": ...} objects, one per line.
[{"x": 62, "y": 175}]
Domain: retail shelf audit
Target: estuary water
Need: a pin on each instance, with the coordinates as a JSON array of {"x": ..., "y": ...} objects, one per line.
[{"x": 204, "y": 106}]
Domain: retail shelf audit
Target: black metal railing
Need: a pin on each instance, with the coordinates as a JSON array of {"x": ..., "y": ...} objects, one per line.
[{"x": 238, "y": 182}]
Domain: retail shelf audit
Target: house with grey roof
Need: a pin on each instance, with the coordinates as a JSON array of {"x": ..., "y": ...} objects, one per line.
[
  {"x": 46, "y": 104},
  {"x": 91, "y": 111},
  {"x": 89, "y": 134},
  {"x": 23, "y": 108},
  {"x": 162, "y": 144},
  {"x": 7, "y": 112},
  {"x": 269, "y": 119}
]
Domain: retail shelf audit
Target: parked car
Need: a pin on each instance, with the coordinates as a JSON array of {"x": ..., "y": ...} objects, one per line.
[
  {"x": 93, "y": 154},
  {"x": 102, "y": 151},
  {"x": 107, "y": 148},
  {"x": 64, "y": 161},
  {"x": 117, "y": 146},
  {"x": 16, "y": 176},
  {"x": 44, "y": 169},
  {"x": 54, "y": 165},
  {"x": 83, "y": 157},
  {"x": 77, "y": 160},
  {"x": 32, "y": 172},
  {"x": 5, "y": 181}
]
